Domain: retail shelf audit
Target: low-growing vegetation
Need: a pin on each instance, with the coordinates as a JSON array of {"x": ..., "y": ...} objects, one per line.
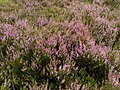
[{"x": 59, "y": 45}]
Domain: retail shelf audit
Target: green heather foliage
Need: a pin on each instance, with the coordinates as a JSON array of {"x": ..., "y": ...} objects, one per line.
[
  {"x": 112, "y": 3},
  {"x": 59, "y": 45},
  {"x": 3, "y": 1},
  {"x": 89, "y": 1}
]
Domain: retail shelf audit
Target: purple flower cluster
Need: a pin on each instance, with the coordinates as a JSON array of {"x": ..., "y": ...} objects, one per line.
[
  {"x": 74, "y": 40},
  {"x": 8, "y": 31}
]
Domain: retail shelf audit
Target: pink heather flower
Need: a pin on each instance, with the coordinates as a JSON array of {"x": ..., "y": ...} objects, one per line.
[
  {"x": 8, "y": 27},
  {"x": 8, "y": 31},
  {"x": 27, "y": 4},
  {"x": 65, "y": 51},
  {"x": 63, "y": 80},
  {"x": 36, "y": 3},
  {"x": 65, "y": 67},
  {"x": 42, "y": 21},
  {"x": 22, "y": 23},
  {"x": 91, "y": 42},
  {"x": 107, "y": 61},
  {"x": 98, "y": 1}
]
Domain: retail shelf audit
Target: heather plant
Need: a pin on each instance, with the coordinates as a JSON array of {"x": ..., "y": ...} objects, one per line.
[
  {"x": 18, "y": 62},
  {"x": 103, "y": 29},
  {"x": 59, "y": 44},
  {"x": 65, "y": 48},
  {"x": 88, "y": 64}
]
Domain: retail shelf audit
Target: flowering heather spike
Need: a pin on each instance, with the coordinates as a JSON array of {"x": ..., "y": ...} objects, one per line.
[
  {"x": 22, "y": 24},
  {"x": 42, "y": 22},
  {"x": 8, "y": 31},
  {"x": 27, "y": 3}
]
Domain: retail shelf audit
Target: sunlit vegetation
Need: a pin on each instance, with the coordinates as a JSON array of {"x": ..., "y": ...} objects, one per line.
[{"x": 59, "y": 45}]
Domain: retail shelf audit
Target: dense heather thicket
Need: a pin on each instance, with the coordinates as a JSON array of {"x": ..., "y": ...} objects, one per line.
[{"x": 59, "y": 44}]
